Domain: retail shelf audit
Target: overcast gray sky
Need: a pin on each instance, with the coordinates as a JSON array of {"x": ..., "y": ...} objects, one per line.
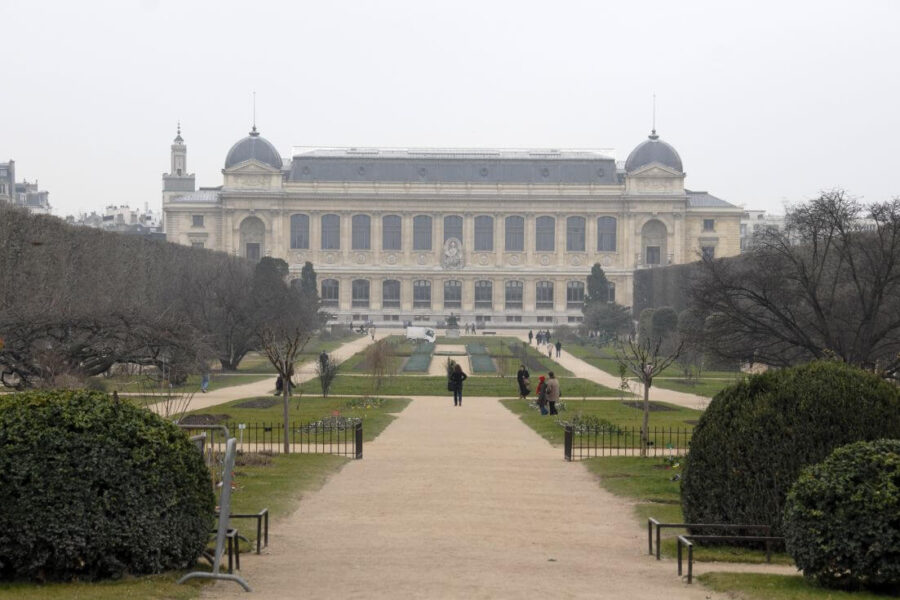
[{"x": 766, "y": 102}]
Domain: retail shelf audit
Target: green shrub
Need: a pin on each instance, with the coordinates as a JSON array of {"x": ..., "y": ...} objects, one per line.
[
  {"x": 756, "y": 436},
  {"x": 842, "y": 517},
  {"x": 92, "y": 488}
]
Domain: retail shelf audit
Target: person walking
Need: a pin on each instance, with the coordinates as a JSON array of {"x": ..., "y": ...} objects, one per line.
[
  {"x": 558, "y": 348},
  {"x": 530, "y": 336},
  {"x": 204, "y": 383},
  {"x": 522, "y": 376},
  {"x": 279, "y": 385},
  {"x": 372, "y": 331},
  {"x": 552, "y": 392},
  {"x": 549, "y": 350},
  {"x": 542, "y": 395},
  {"x": 456, "y": 384}
]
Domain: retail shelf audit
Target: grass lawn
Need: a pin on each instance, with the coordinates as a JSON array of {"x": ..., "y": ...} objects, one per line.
[
  {"x": 754, "y": 586},
  {"x": 704, "y": 386},
  {"x": 135, "y": 383},
  {"x": 424, "y": 385},
  {"x": 151, "y": 587},
  {"x": 649, "y": 481},
  {"x": 611, "y": 410},
  {"x": 255, "y": 362},
  {"x": 303, "y": 409}
]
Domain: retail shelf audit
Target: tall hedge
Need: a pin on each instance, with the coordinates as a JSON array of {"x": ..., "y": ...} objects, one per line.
[
  {"x": 842, "y": 519},
  {"x": 91, "y": 487},
  {"x": 756, "y": 436}
]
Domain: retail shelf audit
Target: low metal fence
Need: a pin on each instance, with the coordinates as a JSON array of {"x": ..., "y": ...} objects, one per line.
[
  {"x": 589, "y": 441},
  {"x": 328, "y": 436}
]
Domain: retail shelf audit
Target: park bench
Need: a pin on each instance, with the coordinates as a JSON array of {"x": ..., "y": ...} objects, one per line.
[{"x": 488, "y": 333}]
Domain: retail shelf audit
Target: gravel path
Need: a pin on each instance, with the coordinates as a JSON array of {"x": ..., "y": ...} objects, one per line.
[{"x": 460, "y": 503}]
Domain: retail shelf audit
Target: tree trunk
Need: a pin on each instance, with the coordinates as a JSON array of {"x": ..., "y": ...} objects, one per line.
[{"x": 645, "y": 424}]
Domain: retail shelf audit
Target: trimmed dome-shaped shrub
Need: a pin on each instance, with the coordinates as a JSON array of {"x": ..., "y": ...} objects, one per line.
[
  {"x": 842, "y": 517},
  {"x": 756, "y": 436},
  {"x": 91, "y": 487}
]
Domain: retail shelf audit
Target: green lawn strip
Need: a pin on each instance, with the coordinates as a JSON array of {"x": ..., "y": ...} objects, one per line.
[
  {"x": 135, "y": 384},
  {"x": 437, "y": 386},
  {"x": 755, "y": 586},
  {"x": 701, "y": 387},
  {"x": 650, "y": 482},
  {"x": 305, "y": 409},
  {"x": 614, "y": 411},
  {"x": 604, "y": 358},
  {"x": 150, "y": 587},
  {"x": 255, "y": 362}
]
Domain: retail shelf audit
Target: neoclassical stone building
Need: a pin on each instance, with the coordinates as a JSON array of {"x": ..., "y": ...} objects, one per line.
[{"x": 498, "y": 236}]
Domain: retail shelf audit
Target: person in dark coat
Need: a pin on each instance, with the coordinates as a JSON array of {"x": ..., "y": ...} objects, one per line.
[
  {"x": 542, "y": 395},
  {"x": 558, "y": 348},
  {"x": 522, "y": 376},
  {"x": 530, "y": 336},
  {"x": 456, "y": 384}
]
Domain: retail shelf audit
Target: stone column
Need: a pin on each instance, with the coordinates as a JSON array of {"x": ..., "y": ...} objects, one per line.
[
  {"x": 345, "y": 223},
  {"x": 376, "y": 239}
]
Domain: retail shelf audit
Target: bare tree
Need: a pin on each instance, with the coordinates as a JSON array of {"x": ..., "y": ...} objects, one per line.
[
  {"x": 828, "y": 284},
  {"x": 380, "y": 361},
  {"x": 326, "y": 370},
  {"x": 647, "y": 357}
]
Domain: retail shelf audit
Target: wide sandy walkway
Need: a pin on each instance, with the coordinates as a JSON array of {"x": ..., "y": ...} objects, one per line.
[{"x": 460, "y": 503}]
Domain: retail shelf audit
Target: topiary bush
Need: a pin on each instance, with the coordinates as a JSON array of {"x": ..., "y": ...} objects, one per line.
[
  {"x": 842, "y": 517},
  {"x": 91, "y": 487},
  {"x": 757, "y": 435}
]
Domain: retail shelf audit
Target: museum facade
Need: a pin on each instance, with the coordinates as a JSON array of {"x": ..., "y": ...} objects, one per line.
[{"x": 500, "y": 237}]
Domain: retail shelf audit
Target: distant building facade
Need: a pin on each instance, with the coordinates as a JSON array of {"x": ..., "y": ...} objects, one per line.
[
  {"x": 493, "y": 236},
  {"x": 122, "y": 219},
  {"x": 23, "y": 194}
]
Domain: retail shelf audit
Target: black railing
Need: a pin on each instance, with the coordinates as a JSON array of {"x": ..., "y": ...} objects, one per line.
[
  {"x": 328, "y": 436},
  {"x": 688, "y": 541},
  {"x": 652, "y": 524},
  {"x": 589, "y": 441}
]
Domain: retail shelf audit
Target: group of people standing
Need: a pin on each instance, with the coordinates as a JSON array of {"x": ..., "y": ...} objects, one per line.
[{"x": 547, "y": 390}]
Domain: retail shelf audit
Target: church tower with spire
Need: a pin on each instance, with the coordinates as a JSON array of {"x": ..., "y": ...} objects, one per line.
[{"x": 177, "y": 180}]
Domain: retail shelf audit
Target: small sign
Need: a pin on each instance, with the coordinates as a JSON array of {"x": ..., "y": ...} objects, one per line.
[{"x": 242, "y": 426}]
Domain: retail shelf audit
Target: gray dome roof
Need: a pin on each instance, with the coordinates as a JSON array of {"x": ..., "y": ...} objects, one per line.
[
  {"x": 253, "y": 147},
  {"x": 653, "y": 150}
]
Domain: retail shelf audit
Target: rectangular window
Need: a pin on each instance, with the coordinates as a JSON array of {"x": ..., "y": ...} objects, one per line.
[
  {"x": 252, "y": 250},
  {"x": 390, "y": 293},
  {"x": 544, "y": 295},
  {"x": 606, "y": 234},
  {"x": 360, "y": 293},
  {"x": 545, "y": 319},
  {"x": 453, "y": 226},
  {"x": 422, "y": 232},
  {"x": 361, "y": 232},
  {"x": 653, "y": 255},
  {"x": 513, "y": 295},
  {"x": 196, "y": 220},
  {"x": 391, "y": 230},
  {"x": 515, "y": 234},
  {"x": 708, "y": 252},
  {"x": 545, "y": 235},
  {"x": 484, "y": 294},
  {"x": 452, "y": 294},
  {"x": 330, "y": 292},
  {"x": 421, "y": 294},
  {"x": 331, "y": 232},
  {"x": 574, "y": 294},
  {"x": 484, "y": 234},
  {"x": 198, "y": 245},
  {"x": 611, "y": 288},
  {"x": 300, "y": 232},
  {"x": 514, "y": 319},
  {"x": 709, "y": 224},
  {"x": 575, "y": 234}
]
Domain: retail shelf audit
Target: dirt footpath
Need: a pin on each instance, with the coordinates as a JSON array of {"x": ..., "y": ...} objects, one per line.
[{"x": 460, "y": 503}]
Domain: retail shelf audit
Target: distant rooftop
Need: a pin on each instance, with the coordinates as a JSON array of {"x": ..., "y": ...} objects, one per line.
[{"x": 457, "y": 153}]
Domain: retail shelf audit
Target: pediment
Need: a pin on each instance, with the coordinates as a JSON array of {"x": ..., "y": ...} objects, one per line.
[
  {"x": 655, "y": 170},
  {"x": 251, "y": 167}
]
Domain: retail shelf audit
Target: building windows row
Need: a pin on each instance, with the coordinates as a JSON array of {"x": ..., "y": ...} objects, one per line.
[
  {"x": 484, "y": 294},
  {"x": 392, "y": 233}
]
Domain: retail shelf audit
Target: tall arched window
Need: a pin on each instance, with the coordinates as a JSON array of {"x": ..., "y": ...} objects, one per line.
[
  {"x": 545, "y": 234},
  {"x": 575, "y": 234},
  {"x": 331, "y": 232},
  {"x": 606, "y": 234},
  {"x": 653, "y": 239},
  {"x": 390, "y": 293},
  {"x": 361, "y": 232},
  {"x": 331, "y": 292},
  {"x": 391, "y": 232},
  {"x": 543, "y": 298},
  {"x": 360, "y": 289},
  {"x": 453, "y": 225},
  {"x": 574, "y": 294},
  {"x": 422, "y": 233},
  {"x": 515, "y": 234},
  {"x": 513, "y": 295},
  {"x": 253, "y": 238},
  {"x": 300, "y": 232},
  {"x": 484, "y": 234},
  {"x": 452, "y": 294},
  {"x": 484, "y": 294},
  {"x": 422, "y": 293}
]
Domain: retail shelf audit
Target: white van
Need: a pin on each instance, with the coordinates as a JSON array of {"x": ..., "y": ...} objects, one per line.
[{"x": 418, "y": 334}]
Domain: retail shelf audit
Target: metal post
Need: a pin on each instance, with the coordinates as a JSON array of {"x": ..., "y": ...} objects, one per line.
[
  {"x": 679, "y": 556},
  {"x": 569, "y": 436},
  {"x": 657, "y": 540},
  {"x": 650, "y": 536},
  {"x": 359, "y": 440},
  {"x": 690, "y": 563}
]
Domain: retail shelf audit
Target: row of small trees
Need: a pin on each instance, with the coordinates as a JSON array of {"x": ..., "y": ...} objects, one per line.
[{"x": 76, "y": 302}]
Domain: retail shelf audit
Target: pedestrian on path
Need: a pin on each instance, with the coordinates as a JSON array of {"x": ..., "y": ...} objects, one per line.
[
  {"x": 530, "y": 336},
  {"x": 456, "y": 384},
  {"x": 549, "y": 350},
  {"x": 204, "y": 383},
  {"x": 372, "y": 331},
  {"x": 542, "y": 395},
  {"x": 558, "y": 348},
  {"x": 552, "y": 392},
  {"x": 522, "y": 377}
]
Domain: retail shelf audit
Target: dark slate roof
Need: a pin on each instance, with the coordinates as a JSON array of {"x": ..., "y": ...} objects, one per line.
[
  {"x": 706, "y": 200},
  {"x": 653, "y": 150},
  {"x": 453, "y": 166},
  {"x": 253, "y": 147}
]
